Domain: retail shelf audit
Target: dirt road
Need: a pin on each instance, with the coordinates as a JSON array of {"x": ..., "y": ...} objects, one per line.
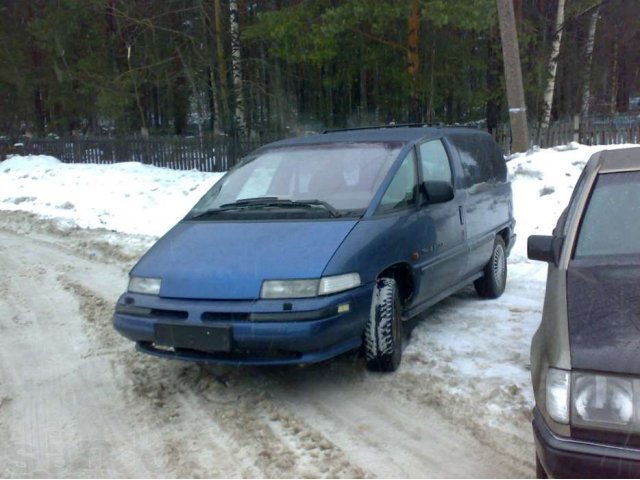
[{"x": 76, "y": 400}]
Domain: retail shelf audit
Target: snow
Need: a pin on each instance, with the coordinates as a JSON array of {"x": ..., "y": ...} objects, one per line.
[
  {"x": 125, "y": 197},
  {"x": 476, "y": 350}
]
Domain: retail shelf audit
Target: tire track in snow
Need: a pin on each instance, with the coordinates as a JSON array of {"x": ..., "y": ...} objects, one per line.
[
  {"x": 396, "y": 433},
  {"x": 167, "y": 418},
  {"x": 62, "y": 421},
  {"x": 68, "y": 416},
  {"x": 268, "y": 440},
  {"x": 278, "y": 444},
  {"x": 156, "y": 398}
]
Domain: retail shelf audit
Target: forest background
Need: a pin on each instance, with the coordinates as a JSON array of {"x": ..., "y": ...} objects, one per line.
[{"x": 270, "y": 68}]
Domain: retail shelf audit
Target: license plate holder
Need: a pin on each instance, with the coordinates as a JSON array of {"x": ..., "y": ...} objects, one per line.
[{"x": 208, "y": 339}]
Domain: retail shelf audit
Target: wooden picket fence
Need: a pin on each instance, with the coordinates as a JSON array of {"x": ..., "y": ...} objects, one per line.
[
  {"x": 589, "y": 132},
  {"x": 219, "y": 153},
  {"x": 213, "y": 154}
]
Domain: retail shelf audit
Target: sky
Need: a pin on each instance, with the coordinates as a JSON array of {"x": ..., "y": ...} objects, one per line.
[{"x": 478, "y": 350}]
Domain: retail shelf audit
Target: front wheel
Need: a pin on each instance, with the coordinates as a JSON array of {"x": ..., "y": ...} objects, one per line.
[
  {"x": 383, "y": 333},
  {"x": 494, "y": 280}
]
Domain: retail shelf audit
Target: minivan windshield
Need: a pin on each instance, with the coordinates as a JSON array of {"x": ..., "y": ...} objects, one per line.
[
  {"x": 326, "y": 180},
  {"x": 611, "y": 223}
]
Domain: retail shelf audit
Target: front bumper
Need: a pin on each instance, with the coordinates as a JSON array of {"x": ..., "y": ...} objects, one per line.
[
  {"x": 564, "y": 457},
  {"x": 260, "y": 332}
]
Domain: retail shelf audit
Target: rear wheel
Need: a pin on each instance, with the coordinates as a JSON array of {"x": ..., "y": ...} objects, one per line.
[
  {"x": 383, "y": 333},
  {"x": 494, "y": 280}
]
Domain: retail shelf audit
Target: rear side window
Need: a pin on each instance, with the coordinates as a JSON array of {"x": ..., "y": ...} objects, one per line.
[
  {"x": 496, "y": 158},
  {"x": 611, "y": 222},
  {"x": 401, "y": 192},
  {"x": 481, "y": 159},
  {"x": 435, "y": 162}
]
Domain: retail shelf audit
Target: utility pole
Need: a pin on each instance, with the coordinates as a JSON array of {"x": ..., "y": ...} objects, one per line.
[{"x": 513, "y": 77}]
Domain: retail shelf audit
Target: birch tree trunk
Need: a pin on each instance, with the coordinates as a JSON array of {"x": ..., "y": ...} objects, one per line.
[
  {"x": 222, "y": 64},
  {"x": 553, "y": 66},
  {"x": 236, "y": 68},
  {"x": 614, "y": 76},
  {"x": 214, "y": 119},
  {"x": 586, "y": 83},
  {"x": 144, "y": 129}
]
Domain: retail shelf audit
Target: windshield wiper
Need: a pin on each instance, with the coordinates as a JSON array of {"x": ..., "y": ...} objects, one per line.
[
  {"x": 319, "y": 203},
  {"x": 250, "y": 202},
  {"x": 261, "y": 202},
  {"x": 241, "y": 204},
  {"x": 270, "y": 202}
]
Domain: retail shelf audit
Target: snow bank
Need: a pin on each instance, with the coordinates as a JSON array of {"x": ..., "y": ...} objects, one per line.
[{"x": 125, "y": 197}]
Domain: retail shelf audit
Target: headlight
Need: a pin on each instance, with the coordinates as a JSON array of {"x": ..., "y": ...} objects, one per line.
[
  {"x": 289, "y": 288},
  {"x": 558, "y": 395},
  {"x": 149, "y": 286},
  {"x": 309, "y": 288},
  {"x": 338, "y": 283},
  {"x": 604, "y": 401}
]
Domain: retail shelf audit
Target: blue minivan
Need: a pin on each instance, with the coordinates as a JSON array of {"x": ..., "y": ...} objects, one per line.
[{"x": 318, "y": 245}]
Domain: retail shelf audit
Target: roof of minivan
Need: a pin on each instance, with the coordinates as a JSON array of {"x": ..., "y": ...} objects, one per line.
[
  {"x": 620, "y": 160},
  {"x": 378, "y": 134}
]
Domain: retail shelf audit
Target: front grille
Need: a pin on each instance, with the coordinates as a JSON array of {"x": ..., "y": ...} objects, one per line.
[
  {"x": 168, "y": 314},
  {"x": 285, "y": 316},
  {"x": 225, "y": 316},
  {"x": 154, "y": 313}
]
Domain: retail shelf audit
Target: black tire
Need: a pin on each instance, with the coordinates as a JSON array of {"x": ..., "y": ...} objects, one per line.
[
  {"x": 383, "y": 333},
  {"x": 494, "y": 280},
  {"x": 540, "y": 473}
]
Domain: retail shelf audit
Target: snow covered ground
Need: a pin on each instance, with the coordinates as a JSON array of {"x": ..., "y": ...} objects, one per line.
[
  {"x": 125, "y": 197},
  {"x": 468, "y": 356}
]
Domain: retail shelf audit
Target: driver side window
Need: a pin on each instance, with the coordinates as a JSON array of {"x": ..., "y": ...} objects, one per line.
[{"x": 401, "y": 192}]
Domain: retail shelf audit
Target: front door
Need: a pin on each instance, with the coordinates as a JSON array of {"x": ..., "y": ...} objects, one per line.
[{"x": 443, "y": 251}]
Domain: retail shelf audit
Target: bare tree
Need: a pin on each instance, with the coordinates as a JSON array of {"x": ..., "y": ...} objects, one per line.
[
  {"x": 144, "y": 128},
  {"x": 553, "y": 66},
  {"x": 221, "y": 61},
  {"x": 236, "y": 68},
  {"x": 586, "y": 89}
]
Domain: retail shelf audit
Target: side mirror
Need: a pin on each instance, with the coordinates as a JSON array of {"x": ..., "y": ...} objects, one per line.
[
  {"x": 438, "y": 192},
  {"x": 544, "y": 248}
]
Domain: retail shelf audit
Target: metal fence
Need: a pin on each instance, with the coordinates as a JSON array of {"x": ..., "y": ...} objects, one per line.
[{"x": 219, "y": 153}]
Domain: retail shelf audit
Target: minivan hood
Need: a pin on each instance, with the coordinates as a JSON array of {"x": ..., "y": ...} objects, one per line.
[
  {"x": 603, "y": 304},
  {"x": 229, "y": 260}
]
